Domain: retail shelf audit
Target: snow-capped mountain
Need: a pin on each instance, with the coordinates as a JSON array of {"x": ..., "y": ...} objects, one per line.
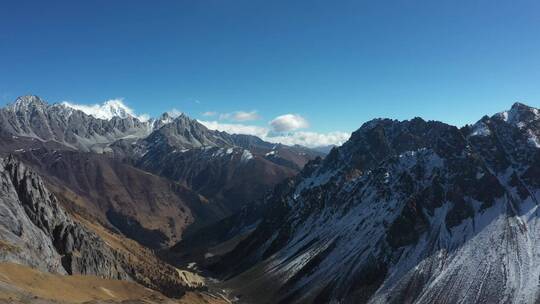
[
  {"x": 107, "y": 110},
  {"x": 404, "y": 212}
]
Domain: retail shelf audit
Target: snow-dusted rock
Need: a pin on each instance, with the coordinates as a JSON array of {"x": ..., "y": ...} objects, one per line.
[{"x": 404, "y": 212}]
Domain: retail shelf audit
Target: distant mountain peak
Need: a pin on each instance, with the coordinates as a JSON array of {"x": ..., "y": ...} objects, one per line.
[
  {"x": 107, "y": 111},
  {"x": 117, "y": 108},
  {"x": 24, "y": 103},
  {"x": 519, "y": 105},
  {"x": 519, "y": 114},
  {"x": 166, "y": 117},
  {"x": 29, "y": 99},
  {"x": 184, "y": 120},
  {"x": 162, "y": 120}
]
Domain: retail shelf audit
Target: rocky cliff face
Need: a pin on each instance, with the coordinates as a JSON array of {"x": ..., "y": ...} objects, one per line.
[
  {"x": 404, "y": 212},
  {"x": 36, "y": 231}
]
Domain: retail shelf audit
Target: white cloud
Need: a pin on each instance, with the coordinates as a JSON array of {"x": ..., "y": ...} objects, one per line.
[
  {"x": 288, "y": 122},
  {"x": 106, "y": 110},
  {"x": 236, "y": 128},
  {"x": 209, "y": 114},
  {"x": 311, "y": 139},
  {"x": 174, "y": 112},
  {"x": 308, "y": 139},
  {"x": 245, "y": 116},
  {"x": 239, "y": 116},
  {"x": 144, "y": 117}
]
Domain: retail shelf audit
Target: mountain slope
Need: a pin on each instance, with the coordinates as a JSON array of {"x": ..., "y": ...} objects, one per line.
[
  {"x": 229, "y": 177},
  {"x": 229, "y": 170},
  {"x": 404, "y": 212},
  {"x": 36, "y": 231},
  {"x": 147, "y": 208}
]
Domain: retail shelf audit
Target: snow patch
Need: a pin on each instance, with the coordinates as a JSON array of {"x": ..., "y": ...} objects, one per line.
[
  {"x": 273, "y": 152},
  {"x": 480, "y": 129},
  {"x": 246, "y": 156},
  {"x": 533, "y": 139}
]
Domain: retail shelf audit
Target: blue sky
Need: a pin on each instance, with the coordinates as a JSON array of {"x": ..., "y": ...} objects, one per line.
[{"x": 335, "y": 64}]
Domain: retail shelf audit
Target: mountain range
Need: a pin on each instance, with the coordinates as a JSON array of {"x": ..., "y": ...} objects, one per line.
[{"x": 409, "y": 211}]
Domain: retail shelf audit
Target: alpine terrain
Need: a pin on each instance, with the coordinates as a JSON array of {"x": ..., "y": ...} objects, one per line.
[
  {"x": 106, "y": 193},
  {"x": 117, "y": 208},
  {"x": 404, "y": 212}
]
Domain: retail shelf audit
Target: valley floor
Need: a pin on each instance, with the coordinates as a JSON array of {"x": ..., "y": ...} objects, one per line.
[{"x": 22, "y": 284}]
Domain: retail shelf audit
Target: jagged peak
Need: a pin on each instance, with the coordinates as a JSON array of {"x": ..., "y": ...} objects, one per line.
[
  {"x": 162, "y": 120},
  {"x": 370, "y": 124},
  {"x": 23, "y": 103},
  {"x": 166, "y": 123},
  {"x": 383, "y": 137},
  {"x": 518, "y": 105},
  {"x": 183, "y": 119},
  {"x": 392, "y": 122},
  {"x": 29, "y": 99},
  {"x": 165, "y": 116},
  {"x": 519, "y": 114},
  {"x": 117, "y": 108},
  {"x": 416, "y": 124}
]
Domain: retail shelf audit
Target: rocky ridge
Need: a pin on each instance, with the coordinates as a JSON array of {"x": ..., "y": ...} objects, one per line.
[{"x": 404, "y": 212}]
